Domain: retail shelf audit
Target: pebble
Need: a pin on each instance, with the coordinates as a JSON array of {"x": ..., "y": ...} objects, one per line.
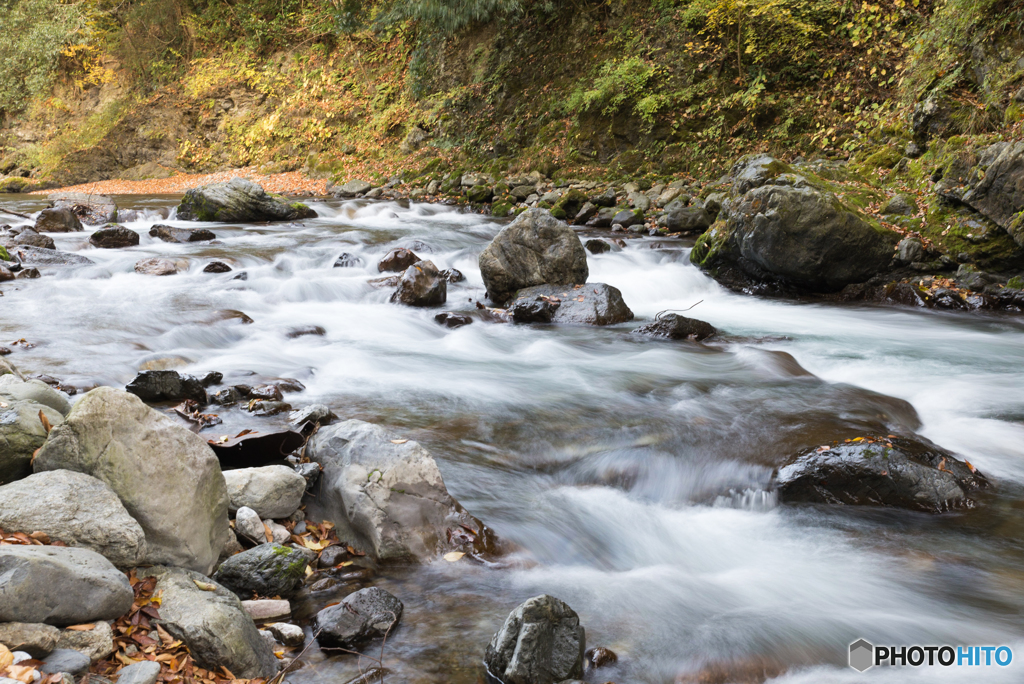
[
  {"x": 287, "y": 634},
  {"x": 267, "y": 609}
]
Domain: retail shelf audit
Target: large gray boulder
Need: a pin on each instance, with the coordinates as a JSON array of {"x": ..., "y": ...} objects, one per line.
[
  {"x": 994, "y": 187},
  {"x": 21, "y": 433},
  {"x": 76, "y": 509},
  {"x": 267, "y": 570},
  {"x": 213, "y": 624},
  {"x": 590, "y": 304},
  {"x": 94, "y": 209},
  {"x": 364, "y": 615},
  {"x": 389, "y": 493},
  {"x": 787, "y": 231},
  {"x": 535, "y": 249},
  {"x": 541, "y": 642},
  {"x": 60, "y": 586},
  {"x": 239, "y": 201},
  {"x": 273, "y": 491},
  {"x": 911, "y": 474},
  {"x": 166, "y": 476}
]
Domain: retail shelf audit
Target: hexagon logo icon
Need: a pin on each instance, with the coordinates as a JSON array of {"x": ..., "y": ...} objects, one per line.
[{"x": 862, "y": 655}]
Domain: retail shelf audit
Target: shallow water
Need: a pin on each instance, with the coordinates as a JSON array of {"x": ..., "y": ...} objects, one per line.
[{"x": 632, "y": 472}]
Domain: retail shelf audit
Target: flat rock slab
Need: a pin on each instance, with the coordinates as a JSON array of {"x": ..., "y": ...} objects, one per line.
[
  {"x": 39, "y": 256},
  {"x": 267, "y": 609},
  {"x": 66, "y": 660},
  {"x": 60, "y": 586},
  {"x": 171, "y": 234}
]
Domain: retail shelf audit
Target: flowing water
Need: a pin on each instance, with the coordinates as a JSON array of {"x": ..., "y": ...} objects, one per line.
[{"x": 633, "y": 473}]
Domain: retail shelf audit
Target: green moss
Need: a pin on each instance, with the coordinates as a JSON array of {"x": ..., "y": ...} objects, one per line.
[
  {"x": 501, "y": 209},
  {"x": 706, "y": 249},
  {"x": 1015, "y": 283},
  {"x": 4, "y": 255}
]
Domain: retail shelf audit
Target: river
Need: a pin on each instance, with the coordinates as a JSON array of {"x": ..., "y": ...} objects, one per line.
[{"x": 633, "y": 473}]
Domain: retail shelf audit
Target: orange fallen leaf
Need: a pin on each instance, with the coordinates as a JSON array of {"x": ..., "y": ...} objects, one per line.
[
  {"x": 45, "y": 422},
  {"x": 399, "y": 441},
  {"x": 82, "y": 628}
]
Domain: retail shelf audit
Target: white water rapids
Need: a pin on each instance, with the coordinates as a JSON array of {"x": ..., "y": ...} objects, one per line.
[{"x": 631, "y": 471}]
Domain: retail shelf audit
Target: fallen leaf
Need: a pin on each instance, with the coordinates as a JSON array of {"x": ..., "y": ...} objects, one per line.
[
  {"x": 82, "y": 628},
  {"x": 267, "y": 531},
  {"x": 309, "y": 571},
  {"x": 453, "y": 556},
  {"x": 6, "y": 657},
  {"x": 971, "y": 467},
  {"x": 45, "y": 422},
  {"x": 399, "y": 441},
  {"x": 205, "y": 586}
]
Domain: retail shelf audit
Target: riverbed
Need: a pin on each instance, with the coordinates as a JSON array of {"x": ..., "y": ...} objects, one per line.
[{"x": 633, "y": 474}]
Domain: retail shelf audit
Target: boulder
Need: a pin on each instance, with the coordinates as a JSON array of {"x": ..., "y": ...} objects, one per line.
[
  {"x": 389, "y": 491},
  {"x": 910, "y": 250},
  {"x": 93, "y": 518},
  {"x": 273, "y": 491},
  {"x": 21, "y": 433},
  {"x": 452, "y": 320},
  {"x": 41, "y": 256},
  {"x": 61, "y": 220},
  {"x": 249, "y": 525},
  {"x": 604, "y": 199},
  {"x": 597, "y": 246},
  {"x": 27, "y": 236},
  {"x": 397, "y": 260},
  {"x": 158, "y": 266},
  {"x": 795, "y": 235},
  {"x": 96, "y": 643},
  {"x": 213, "y": 624},
  {"x": 899, "y": 205},
  {"x": 421, "y": 285},
  {"x": 94, "y": 209},
  {"x": 627, "y": 218},
  {"x": 590, "y": 304},
  {"x": 534, "y": 249},
  {"x": 167, "y": 385},
  {"x": 479, "y": 194},
  {"x": 364, "y": 615},
  {"x": 351, "y": 188},
  {"x": 266, "y": 570},
  {"x": 675, "y": 327},
  {"x": 685, "y": 219},
  {"x": 217, "y": 267},
  {"x": 114, "y": 237},
  {"x": 35, "y": 638},
  {"x": 603, "y": 218},
  {"x": 60, "y": 586},
  {"x": 541, "y": 642},
  {"x": 166, "y": 476},
  {"x": 38, "y": 391},
  {"x": 239, "y": 201},
  {"x": 994, "y": 187},
  {"x": 911, "y": 473},
  {"x": 171, "y": 234}
]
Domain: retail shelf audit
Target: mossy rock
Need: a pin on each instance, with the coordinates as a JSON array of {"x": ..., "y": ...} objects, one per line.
[
  {"x": 4, "y": 255},
  {"x": 568, "y": 205},
  {"x": 1015, "y": 283},
  {"x": 12, "y": 184},
  {"x": 501, "y": 209},
  {"x": 479, "y": 194}
]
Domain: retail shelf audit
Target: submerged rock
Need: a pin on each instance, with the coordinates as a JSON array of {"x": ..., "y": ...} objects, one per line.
[
  {"x": 60, "y": 586},
  {"x": 390, "y": 493},
  {"x": 911, "y": 473},
  {"x": 589, "y": 304},
  {"x": 541, "y": 642},
  {"x": 361, "y": 616},
  {"x": 535, "y": 249},
  {"x": 239, "y": 201},
  {"x": 166, "y": 476},
  {"x": 346, "y": 260},
  {"x": 421, "y": 285},
  {"x": 676, "y": 327}
]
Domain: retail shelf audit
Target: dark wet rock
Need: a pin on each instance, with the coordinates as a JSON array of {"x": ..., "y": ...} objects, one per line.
[
  {"x": 157, "y": 266},
  {"x": 900, "y": 205},
  {"x": 421, "y": 285},
  {"x": 92, "y": 209},
  {"x": 316, "y": 330},
  {"x": 604, "y": 199},
  {"x": 912, "y": 474},
  {"x": 686, "y": 219},
  {"x": 257, "y": 447},
  {"x": 267, "y": 392},
  {"x": 239, "y": 201},
  {"x": 541, "y": 642},
  {"x": 171, "y": 234},
  {"x": 362, "y": 616},
  {"x": 537, "y": 310},
  {"x": 601, "y": 656},
  {"x": 6, "y": 274},
  {"x": 453, "y": 275},
  {"x": 226, "y": 397},
  {"x": 114, "y": 237},
  {"x": 241, "y": 276},
  {"x": 265, "y": 570},
  {"x": 213, "y": 624},
  {"x": 586, "y": 212},
  {"x": 589, "y": 304},
  {"x": 675, "y": 327},
  {"x": 534, "y": 249},
  {"x": 35, "y": 638},
  {"x": 603, "y": 218},
  {"x": 268, "y": 408},
  {"x": 627, "y": 218},
  {"x": 65, "y": 660},
  {"x": 28, "y": 274},
  {"x": 389, "y": 492},
  {"x": 786, "y": 232},
  {"x": 27, "y": 236},
  {"x": 94, "y": 518},
  {"x": 211, "y": 378},
  {"x": 346, "y": 260},
  {"x": 597, "y": 246},
  {"x": 452, "y": 320},
  {"x": 165, "y": 475},
  {"x": 60, "y": 586},
  {"x": 397, "y": 260},
  {"x": 167, "y": 385},
  {"x": 332, "y": 556},
  {"x": 273, "y": 491},
  {"x": 38, "y": 256},
  {"x": 61, "y": 220}
]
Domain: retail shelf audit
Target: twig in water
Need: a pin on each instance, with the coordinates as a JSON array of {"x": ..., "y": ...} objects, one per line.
[
  {"x": 662, "y": 313},
  {"x": 14, "y": 213}
]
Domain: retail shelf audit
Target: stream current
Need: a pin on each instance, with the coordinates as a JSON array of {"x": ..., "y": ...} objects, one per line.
[{"x": 633, "y": 473}]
